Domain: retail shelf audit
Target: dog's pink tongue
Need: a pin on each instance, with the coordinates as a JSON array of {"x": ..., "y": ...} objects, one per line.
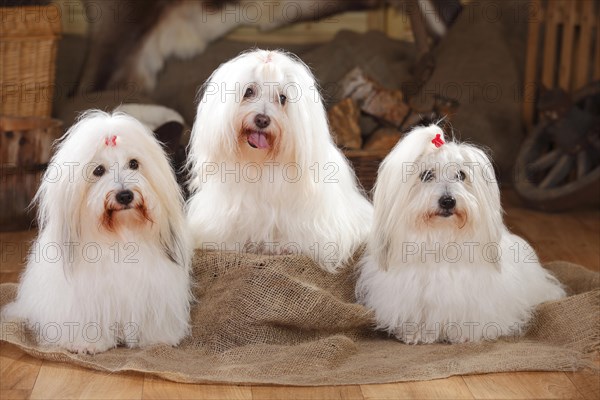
[{"x": 258, "y": 140}]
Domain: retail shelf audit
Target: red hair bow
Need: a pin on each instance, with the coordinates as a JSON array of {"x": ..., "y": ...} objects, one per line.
[{"x": 112, "y": 141}]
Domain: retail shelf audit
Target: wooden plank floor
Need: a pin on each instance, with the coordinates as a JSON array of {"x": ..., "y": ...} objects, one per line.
[{"x": 573, "y": 236}]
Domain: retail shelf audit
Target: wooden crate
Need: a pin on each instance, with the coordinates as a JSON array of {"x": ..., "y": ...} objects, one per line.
[
  {"x": 25, "y": 149},
  {"x": 563, "y": 48}
]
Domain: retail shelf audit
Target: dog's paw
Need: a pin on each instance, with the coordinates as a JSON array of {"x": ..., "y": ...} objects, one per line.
[
  {"x": 417, "y": 336},
  {"x": 84, "y": 348}
]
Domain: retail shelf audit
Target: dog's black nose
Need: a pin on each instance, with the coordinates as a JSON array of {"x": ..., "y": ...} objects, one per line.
[
  {"x": 124, "y": 197},
  {"x": 447, "y": 202},
  {"x": 262, "y": 121}
]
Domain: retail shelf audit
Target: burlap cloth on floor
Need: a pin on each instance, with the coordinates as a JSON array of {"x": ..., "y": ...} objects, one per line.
[{"x": 281, "y": 320}]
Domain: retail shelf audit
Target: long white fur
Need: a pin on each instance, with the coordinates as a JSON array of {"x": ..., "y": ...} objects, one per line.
[
  {"x": 429, "y": 278},
  {"x": 320, "y": 212},
  {"x": 132, "y": 284}
]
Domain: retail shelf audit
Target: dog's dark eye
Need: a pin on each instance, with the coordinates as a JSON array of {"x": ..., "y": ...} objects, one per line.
[
  {"x": 282, "y": 99},
  {"x": 99, "y": 170},
  {"x": 133, "y": 164},
  {"x": 249, "y": 93},
  {"x": 461, "y": 175},
  {"x": 427, "y": 176}
]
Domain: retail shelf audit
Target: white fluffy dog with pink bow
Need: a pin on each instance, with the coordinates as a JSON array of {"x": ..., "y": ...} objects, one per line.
[
  {"x": 111, "y": 263},
  {"x": 440, "y": 264}
]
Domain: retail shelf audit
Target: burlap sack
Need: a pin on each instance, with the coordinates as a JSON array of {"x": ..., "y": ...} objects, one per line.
[{"x": 281, "y": 320}]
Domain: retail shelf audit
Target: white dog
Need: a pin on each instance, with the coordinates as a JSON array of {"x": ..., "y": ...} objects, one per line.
[
  {"x": 266, "y": 175},
  {"x": 111, "y": 263},
  {"x": 440, "y": 264}
]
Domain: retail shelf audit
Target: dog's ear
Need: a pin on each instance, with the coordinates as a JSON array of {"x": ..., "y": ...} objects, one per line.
[
  {"x": 387, "y": 213},
  {"x": 396, "y": 175},
  {"x": 172, "y": 227},
  {"x": 173, "y": 232},
  {"x": 174, "y": 244},
  {"x": 485, "y": 188},
  {"x": 310, "y": 136},
  {"x": 388, "y": 222},
  {"x": 58, "y": 203},
  {"x": 381, "y": 249},
  {"x": 211, "y": 137}
]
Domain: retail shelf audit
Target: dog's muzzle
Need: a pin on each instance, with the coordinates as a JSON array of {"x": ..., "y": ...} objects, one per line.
[
  {"x": 447, "y": 204},
  {"x": 124, "y": 197},
  {"x": 258, "y": 138}
]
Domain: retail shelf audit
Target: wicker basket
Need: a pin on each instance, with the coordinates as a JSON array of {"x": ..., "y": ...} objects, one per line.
[
  {"x": 28, "y": 42},
  {"x": 366, "y": 164},
  {"x": 25, "y": 149}
]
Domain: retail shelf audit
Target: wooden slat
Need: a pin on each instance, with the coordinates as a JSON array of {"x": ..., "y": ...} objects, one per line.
[
  {"x": 551, "y": 23},
  {"x": 450, "y": 388},
  {"x": 531, "y": 74},
  {"x": 18, "y": 371},
  {"x": 14, "y": 394},
  {"x": 582, "y": 66},
  {"x": 60, "y": 381},
  {"x": 569, "y": 69},
  {"x": 573, "y": 236},
  {"x": 158, "y": 389},
  {"x": 525, "y": 385},
  {"x": 568, "y": 37},
  {"x": 587, "y": 381},
  {"x": 306, "y": 393}
]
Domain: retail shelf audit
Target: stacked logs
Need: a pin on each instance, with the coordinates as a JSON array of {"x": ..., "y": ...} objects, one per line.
[{"x": 371, "y": 117}]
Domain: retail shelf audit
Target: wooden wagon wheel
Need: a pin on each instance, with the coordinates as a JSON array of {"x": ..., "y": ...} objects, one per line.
[{"x": 558, "y": 166}]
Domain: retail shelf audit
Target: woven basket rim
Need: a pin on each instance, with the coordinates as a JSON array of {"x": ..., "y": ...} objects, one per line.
[
  {"x": 14, "y": 23},
  {"x": 19, "y": 38},
  {"x": 366, "y": 153}
]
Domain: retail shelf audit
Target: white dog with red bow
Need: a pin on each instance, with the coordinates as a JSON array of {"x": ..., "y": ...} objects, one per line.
[
  {"x": 111, "y": 263},
  {"x": 440, "y": 264}
]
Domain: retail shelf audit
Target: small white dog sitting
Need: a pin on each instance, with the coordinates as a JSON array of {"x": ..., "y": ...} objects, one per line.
[
  {"x": 111, "y": 263},
  {"x": 266, "y": 176},
  {"x": 440, "y": 264}
]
